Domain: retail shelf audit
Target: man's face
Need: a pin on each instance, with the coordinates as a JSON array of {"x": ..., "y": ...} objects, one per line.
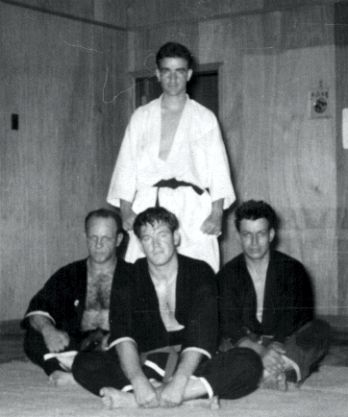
[
  {"x": 159, "y": 243},
  {"x": 256, "y": 237},
  {"x": 173, "y": 76},
  {"x": 102, "y": 239}
]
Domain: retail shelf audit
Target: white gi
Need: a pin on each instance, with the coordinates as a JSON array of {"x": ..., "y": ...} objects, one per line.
[{"x": 197, "y": 156}]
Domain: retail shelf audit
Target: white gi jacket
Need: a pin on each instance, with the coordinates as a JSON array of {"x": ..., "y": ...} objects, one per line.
[{"x": 197, "y": 156}]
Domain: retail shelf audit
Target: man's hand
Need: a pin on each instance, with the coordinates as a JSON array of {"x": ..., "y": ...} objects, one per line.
[
  {"x": 272, "y": 359},
  {"x": 144, "y": 393},
  {"x": 172, "y": 393},
  {"x": 128, "y": 221},
  {"x": 212, "y": 224},
  {"x": 127, "y": 214},
  {"x": 225, "y": 345},
  {"x": 271, "y": 356},
  {"x": 56, "y": 340}
]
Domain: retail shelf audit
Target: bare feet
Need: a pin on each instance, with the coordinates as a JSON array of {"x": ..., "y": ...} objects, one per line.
[
  {"x": 61, "y": 378},
  {"x": 113, "y": 398},
  {"x": 156, "y": 384},
  {"x": 275, "y": 382}
]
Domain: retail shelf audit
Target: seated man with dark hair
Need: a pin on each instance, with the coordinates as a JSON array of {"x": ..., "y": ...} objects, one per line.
[
  {"x": 163, "y": 331},
  {"x": 266, "y": 302},
  {"x": 71, "y": 311}
]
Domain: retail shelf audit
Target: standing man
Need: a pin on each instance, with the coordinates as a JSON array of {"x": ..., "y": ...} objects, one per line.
[
  {"x": 173, "y": 155},
  {"x": 267, "y": 302},
  {"x": 163, "y": 334},
  {"x": 71, "y": 311}
]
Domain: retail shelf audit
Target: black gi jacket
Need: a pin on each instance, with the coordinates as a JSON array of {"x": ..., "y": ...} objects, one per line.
[
  {"x": 134, "y": 308},
  {"x": 288, "y": 299},
  {"x": 62, "y": 299}
]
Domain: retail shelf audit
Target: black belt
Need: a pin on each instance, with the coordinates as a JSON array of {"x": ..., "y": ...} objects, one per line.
[{"x": 173, "y": 183}]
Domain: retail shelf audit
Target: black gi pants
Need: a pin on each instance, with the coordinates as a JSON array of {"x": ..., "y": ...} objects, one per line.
[{"x": 231, "y": 375}]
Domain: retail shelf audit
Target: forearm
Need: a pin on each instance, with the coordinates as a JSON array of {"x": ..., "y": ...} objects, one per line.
[
  {"x": 40, "y": 323},
  {"x": 212, "y": 224},
  {"x": 127, "y": 214},
  {"x": 189, "y": 362},
  {"x": 55, "y": 340},
  {"x": 144, "y": 393},
  {"x": 130, "y": 360}
]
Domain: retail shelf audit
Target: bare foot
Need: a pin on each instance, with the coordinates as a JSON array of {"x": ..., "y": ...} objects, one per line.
[
  {"x": 275, "y": 382},
  {"x": 113, "y": 398},
  {"x": 61, "y": 378},
  {"x": 156, "y": 384}
]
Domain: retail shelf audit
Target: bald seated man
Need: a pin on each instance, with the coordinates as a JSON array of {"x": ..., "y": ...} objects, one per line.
[{"x": 71, "y": 311}]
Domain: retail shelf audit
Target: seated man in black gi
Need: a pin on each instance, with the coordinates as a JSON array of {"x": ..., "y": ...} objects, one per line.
[
  {"x": 163, "y": 331},
  {"x": 71, "y": 311},
  {"x": 266, "y": 302}
]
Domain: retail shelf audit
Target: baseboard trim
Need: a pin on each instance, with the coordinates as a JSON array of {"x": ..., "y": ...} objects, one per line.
[
  {"x": 338, "y": 322},
  {"x": 10, "y": 327}
]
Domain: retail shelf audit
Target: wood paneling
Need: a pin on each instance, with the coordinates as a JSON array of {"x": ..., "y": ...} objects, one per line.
[
  {"x": 163, "y": 12},
  {"x": 307, "y": 27},
  {"x": 95, "y": 11},
  {"x": 293, "y": 165},
  {"x": 57, "y": 166},
  {"x": 286, "y": 4},
  {"x": 341, "y": 58},
  {"x": 277, "y": 152},
  {"x": 142, "y": 14},
  {"x": 70, "y": 84}
]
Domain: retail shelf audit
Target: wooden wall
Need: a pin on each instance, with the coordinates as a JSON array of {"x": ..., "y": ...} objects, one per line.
[
  {"x": 341, "y": 62},
  {"x": 97, "y": 12},
  {"x": 272, "y": 58},
  {"x": 67, "y": 80},
  {"x": 65, "y": 70}
]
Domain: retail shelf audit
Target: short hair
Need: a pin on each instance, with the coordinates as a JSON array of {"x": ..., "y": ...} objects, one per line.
[
  {"x": 154, "y": 215},
  {"x": 254, "y": 210},
  {"x": 105, "y": 214},
  {"x": 174, "y": 50}
]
